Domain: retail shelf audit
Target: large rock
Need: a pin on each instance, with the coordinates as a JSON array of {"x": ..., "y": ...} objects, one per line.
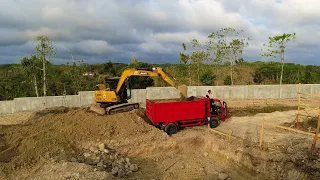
[
  {"x": 100, "y": 164},
  {"x": 114, "y": 171},
  {"x": 134, "y": 167},
  {"x": 102, "y": 147},
  {"x": 223, "y": 176},
  {"x": 121, "y": 173},
  {"x": 74, "y": 159}
]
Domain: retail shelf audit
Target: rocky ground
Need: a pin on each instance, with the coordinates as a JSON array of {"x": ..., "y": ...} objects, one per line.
[{"x": 64, "y": 143}]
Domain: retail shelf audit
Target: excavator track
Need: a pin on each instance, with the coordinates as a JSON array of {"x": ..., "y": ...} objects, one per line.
[{"x": 121, "y": 108}]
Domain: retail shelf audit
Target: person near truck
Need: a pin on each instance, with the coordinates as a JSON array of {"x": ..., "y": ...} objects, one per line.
[{"x": 210, "y": 96}]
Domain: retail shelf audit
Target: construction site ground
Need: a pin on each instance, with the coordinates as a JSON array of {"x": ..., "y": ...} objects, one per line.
[{"x": 74, "y": 143}]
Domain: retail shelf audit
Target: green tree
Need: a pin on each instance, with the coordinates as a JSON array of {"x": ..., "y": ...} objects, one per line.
[
  {"x": 198, "y": 56},
  {"x": 227, "y": 80},
  {"x": 109, "y": 68},
  {"x": 77, "y": 74},
  {"x": 44, "y": 51},
  {"x": 207, "y": 79},
  {"x": 277, "y": 46},
  {"x": 31, "y": 68},
  {"x": 134, "y": 60},
  {"x": 225, "y": 49},
  {"x": 239, "y": 61},
  {"x": 185, "y": 59}
]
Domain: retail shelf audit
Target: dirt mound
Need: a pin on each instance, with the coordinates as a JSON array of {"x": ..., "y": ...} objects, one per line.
[
  {"x": 62, "y": 134},
  {"x": 307, "y": 124},
  {"x": 191, "y": 98},
  {"x": 253, "y": 110},
  {"x": 16, "y": 118}
]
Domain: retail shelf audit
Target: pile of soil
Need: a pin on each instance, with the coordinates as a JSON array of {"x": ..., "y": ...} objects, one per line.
[
  {"x": 63, "y": 143},
  {"x": 309, "y": 124},
  {"x": 62, "y": 134},
  {"x": 253, "y": 110},
  {"x": 191, "y": 98}
]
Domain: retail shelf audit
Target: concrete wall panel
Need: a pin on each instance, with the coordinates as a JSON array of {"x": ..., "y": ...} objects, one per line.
[
  {"x": 138, "y": 95},
  {"x": 315, "y": 89},
  {"x": 238, "y": 92},
  {"x": 192, "y": 91},
  {"x": 29, "y": 103},
  {"x": 305, "y": 88},
  {"x": 203, "y": 90},
  {"x": 86, "y": 98},
  {"x": 73, "y": 101},
  {"x": 162, "y": 93},
  {"x": 7, "y": 107},
  {"x": 250, "y": 92},
  {"x": 55, "y": 101},
  {"x": 290, "y": 91},
  {"x": 266, "y": 92},
  {"x": 221, "y": 92}
]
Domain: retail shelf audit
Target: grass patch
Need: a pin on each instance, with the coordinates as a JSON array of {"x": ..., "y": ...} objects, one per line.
[
  {"x": 253, "y": 110},
  {"x": 310, "y": 123}
]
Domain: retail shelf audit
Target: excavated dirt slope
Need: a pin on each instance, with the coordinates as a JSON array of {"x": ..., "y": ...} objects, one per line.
[
  {"x": 63, "y": 143},
  {"x": 63, "y": 134}
]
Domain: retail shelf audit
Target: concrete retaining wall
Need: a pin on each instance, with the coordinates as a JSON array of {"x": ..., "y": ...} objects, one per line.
[
  {"x": 7, "y": 107},
  {"x": 29, "y": 103},
  {"x": 73, "y": 101},
  {"x": 85, "y": 98},
  {"x": 162, "y": 93},
  {"x": 139, "y": 96}
]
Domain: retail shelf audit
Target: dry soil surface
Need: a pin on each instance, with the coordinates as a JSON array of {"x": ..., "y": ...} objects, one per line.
[{"x": 66, "y": 144}]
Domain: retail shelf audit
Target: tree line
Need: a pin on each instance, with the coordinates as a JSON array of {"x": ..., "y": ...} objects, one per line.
[
  {"x": 214, "y": 61},
  {"x": 69, "y": 79}
]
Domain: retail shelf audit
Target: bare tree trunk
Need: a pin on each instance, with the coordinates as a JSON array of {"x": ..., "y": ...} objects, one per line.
[
  {"x": 198, "y": 74},
  {"x": 44, "y": 71},
  {"x": 282, "y": 64},
  {"x": 190, "y": 82},
  {"x": 35, "y": 85},
  {"x": 189, "y": 69},
  {"x": 231, "y": 76}
]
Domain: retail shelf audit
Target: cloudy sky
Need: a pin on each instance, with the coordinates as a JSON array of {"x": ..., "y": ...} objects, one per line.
[{"x": 153, "y": 31}]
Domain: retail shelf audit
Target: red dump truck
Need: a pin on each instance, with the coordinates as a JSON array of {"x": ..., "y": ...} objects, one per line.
[{"x": 170, "y": 115}]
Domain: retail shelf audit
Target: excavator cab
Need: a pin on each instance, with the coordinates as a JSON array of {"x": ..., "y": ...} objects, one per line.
[{"x": 125, "y": 91}]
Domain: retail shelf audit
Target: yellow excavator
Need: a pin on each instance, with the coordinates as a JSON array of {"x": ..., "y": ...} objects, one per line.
[{"x": 114, "y": 98}]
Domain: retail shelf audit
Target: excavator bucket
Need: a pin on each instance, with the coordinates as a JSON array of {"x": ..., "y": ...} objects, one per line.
[
  {"x": 183, "y": 91},
  {"x": 97, "y": 109}
]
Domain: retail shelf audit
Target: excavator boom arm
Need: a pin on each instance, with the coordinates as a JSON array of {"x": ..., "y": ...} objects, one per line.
[{"x": 158, "y": 72}]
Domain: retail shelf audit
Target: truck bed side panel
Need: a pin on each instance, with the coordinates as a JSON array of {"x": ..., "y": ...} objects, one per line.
[{"x": 167, "y": 112}]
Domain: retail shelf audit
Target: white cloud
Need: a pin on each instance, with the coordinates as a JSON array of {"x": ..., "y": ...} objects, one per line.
[
  {"x": 153, "y": 29},
  {"x": 177, "y": 37},
  {"x": 94, "y": 46},
  {"x": 153, "y": 47}
]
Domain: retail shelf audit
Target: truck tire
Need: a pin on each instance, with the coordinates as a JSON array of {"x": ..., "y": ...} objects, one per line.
[
  {"x": 171, "y": 128},
  {"x": 214, "y": 122}
]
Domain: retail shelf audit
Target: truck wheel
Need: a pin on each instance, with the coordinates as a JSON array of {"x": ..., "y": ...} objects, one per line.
[
  {"x": 171, "y": 128},
  {"x": 214, "y": 122}
]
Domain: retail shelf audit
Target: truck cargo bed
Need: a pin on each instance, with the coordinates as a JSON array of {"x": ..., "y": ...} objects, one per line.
[
  {"x": 169, "y": 114},
  {"x": 173, "y": 111}
]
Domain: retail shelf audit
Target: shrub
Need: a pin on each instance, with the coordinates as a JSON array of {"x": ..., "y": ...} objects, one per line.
[
  {"x": 227, "y": 80},
  {"x": 207, "y": 79}
]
